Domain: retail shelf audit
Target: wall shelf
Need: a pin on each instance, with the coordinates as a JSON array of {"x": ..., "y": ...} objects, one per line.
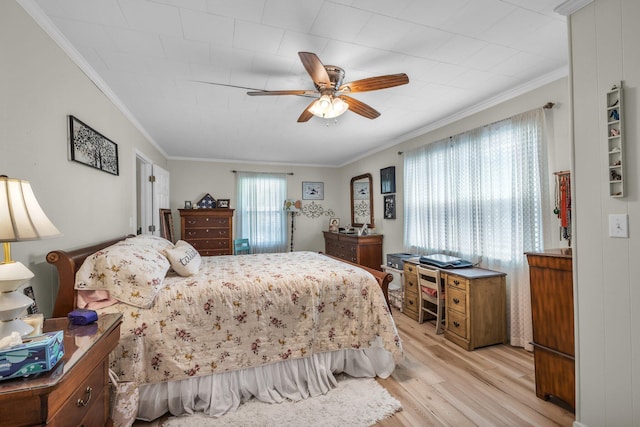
[{"x": 615, "y": 141}]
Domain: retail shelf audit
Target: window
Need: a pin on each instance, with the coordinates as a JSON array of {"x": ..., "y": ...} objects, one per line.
[
  {"x": 259, "y": 213},
  {"x": 478, "y": 193}
]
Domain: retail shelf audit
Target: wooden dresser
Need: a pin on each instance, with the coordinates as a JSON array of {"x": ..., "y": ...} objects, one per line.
[
  {"x": 476, "y": 304},
  {"x": 362, "y": 250},
  {"x": 76, "y": 391},
  {"x": 551, "y": 277},
  {"x": 210, "y": 231}
]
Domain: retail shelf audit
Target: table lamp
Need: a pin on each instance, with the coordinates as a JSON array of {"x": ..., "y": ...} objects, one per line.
[
  {"x": 293, "y": 206},
  {"x": 21, "y": 218}
]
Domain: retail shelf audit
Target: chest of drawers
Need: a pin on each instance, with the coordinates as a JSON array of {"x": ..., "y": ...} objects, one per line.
[
  {"x": 210, "y": 231},
  {"x": 362, "y": 250}
]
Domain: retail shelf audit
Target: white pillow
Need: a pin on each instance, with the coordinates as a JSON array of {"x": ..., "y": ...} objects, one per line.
[{"x": 184, "y": 258}]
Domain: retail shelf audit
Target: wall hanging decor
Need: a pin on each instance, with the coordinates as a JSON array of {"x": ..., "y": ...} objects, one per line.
[
  {"x": 390, "y": 206},
  {"x": 313, "y": 210},
  {"x": 313, "y": 191},
  {"x": 91, "y": 148},
  {"x": 388, "y": 180}
]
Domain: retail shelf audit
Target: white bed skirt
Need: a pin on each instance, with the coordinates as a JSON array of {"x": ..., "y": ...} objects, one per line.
[{"x": 294, "y": 380}]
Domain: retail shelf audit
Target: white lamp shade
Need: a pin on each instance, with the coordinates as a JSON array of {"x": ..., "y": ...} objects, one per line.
[
  {"x": 21, "y": 217},
  {"x": 328, "y": 107},
  {"x": 13, "y": 275},
  {"x": 16, "y": 325}
]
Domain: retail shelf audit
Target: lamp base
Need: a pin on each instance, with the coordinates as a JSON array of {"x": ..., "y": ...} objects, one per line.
[{"x": 15, "y": 325}]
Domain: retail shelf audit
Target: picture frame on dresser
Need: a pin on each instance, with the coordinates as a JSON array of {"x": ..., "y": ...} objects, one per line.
[{"x": 223, "y": 203}]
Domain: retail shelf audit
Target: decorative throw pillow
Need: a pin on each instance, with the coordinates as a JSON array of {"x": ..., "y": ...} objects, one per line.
[
  {"x": 132, "y": 273},
  {"x": 156, "y": 242},
  {"x": 184, "y": 258}
]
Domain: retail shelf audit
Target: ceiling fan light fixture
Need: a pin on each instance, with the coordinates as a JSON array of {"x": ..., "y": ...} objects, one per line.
[{"x": 328, "y": 107}]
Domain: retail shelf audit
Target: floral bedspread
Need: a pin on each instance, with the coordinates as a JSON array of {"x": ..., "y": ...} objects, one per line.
[{"x": 249, "y": 310}]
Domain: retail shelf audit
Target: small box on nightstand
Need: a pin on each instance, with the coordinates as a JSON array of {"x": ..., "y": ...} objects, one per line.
[{"x": 34, "y": 355}]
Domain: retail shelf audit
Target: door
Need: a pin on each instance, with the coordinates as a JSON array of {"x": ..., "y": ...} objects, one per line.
[
  {"x": 160, "y": 195},
  {"x": 152, "y": 194}
]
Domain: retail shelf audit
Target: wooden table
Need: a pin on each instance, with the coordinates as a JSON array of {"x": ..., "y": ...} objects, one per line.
[
  {"x": 476, "y": 303},
  {"x": 76, "y": 391}
]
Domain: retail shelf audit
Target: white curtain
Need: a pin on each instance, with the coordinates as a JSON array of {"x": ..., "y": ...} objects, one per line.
[
  {"x": 259, "y": 210},
  {"x": 481, "y": 195}
]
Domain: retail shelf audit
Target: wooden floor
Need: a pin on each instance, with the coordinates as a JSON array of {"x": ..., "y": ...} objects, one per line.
[{"x": 441, "y": 384}]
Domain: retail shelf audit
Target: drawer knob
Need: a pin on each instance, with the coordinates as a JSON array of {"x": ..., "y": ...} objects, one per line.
[
  {"x": 456, "y": 324},
  {"x": 456, "y": 300},
  {"x": 81, "y": 402},
  {"x": 206, "y": 219},
  {"x": 456, "y": 282}
]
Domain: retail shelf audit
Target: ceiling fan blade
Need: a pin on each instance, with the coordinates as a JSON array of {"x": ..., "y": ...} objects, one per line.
[
  {"x": 359, "y": 107},
  {"x": 314, "y": 67},
  {"x": 281, "y": 92},
  {"x": 306, "y": 114},
  {"x": 375, "y": 83}
]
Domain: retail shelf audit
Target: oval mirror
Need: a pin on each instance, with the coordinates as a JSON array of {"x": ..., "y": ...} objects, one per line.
[{"x": 362, "y": 201}]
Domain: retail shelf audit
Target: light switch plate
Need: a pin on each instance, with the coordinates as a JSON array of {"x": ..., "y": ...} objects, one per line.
[{"x": 618, "y": 225}]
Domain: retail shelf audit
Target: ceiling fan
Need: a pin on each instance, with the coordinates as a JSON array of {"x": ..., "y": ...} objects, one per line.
[{"x": 333, "y": 100}]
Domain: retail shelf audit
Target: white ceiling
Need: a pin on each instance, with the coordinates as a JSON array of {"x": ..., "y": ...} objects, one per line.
[{"x": 460, "y": 55}]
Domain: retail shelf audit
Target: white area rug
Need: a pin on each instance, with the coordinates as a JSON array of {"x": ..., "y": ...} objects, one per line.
[{"x": 354, "y": 402}]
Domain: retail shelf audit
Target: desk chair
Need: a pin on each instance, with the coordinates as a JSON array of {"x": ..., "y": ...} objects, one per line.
[
  {"x": 241, "y": 246},
  {"x": 430, "y": 296}
]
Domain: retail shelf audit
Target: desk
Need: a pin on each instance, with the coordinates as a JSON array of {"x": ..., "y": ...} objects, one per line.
[{"x": 475, "y": 307}]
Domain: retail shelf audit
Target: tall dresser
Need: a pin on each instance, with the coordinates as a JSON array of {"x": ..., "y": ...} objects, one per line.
[
  {"x": 210, "y": 231},
  {"x": 363, "y": 250},
  {"x": 551, "y": 277}
]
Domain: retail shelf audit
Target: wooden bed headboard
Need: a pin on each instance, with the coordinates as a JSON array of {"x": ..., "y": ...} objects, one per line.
[{"x": 67, "y": 264}]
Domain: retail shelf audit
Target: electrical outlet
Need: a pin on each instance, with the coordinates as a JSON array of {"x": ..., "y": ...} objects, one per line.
[{"x": 618, "y": 225}]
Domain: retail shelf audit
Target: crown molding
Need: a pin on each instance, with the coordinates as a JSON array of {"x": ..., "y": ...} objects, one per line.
[
  {"x": 569, "y": 7},
  {"x": 38, "y": 15}
]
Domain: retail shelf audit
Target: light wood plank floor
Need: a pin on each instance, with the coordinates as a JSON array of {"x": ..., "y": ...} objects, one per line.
[{"x": 441, "y": 384}]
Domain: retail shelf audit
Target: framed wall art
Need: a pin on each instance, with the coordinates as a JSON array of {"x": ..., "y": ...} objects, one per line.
[
  {"x": 390, "y": 207},
  {"x": 388, "y": 180},
  {"x": 313, "y": 191},
  {"x": 91, "y": 148}
]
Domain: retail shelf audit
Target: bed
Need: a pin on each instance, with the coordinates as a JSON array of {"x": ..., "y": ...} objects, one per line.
[{"x": 272, "y": 326}]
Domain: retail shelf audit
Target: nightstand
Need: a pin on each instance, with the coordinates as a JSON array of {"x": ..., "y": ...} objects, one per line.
[{"x": 76, "y": 391}]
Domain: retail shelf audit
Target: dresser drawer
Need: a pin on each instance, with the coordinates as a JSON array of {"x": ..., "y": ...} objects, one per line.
[
  {"x": 410, "y": 305},
  {"x": 206, "y": 221},
  {"x": 457, "y": 323},
  {"x": 214, "y": 252},
  {"x": 457, "y": 282},
  {"x": 206, "y": 233},
  {"x": 457, "y": 300},
  {"x": 203, "y": 244},
  {"x": 410, "y": 279},
  {"x": 88, "y": 401}
]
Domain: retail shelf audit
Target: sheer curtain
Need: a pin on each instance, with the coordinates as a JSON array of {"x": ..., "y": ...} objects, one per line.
[
  {"x": 259, "y": 210},
  {"x": 480, "y": 195}
]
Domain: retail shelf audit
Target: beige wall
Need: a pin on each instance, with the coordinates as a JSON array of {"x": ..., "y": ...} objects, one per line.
[
  {"x": 604, "y": 44},
  {"x": 39, "y": 87},
  {"x": 190, "y": 180}
]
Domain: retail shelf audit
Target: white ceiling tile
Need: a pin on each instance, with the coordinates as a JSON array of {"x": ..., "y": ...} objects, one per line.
[
  {"x": 206, "y": 27},
  {"x": 96, "y": 12},
  {"x": 457, "y": 49},
  {"x": 294, "y": 42},
  {"x": 244, "y": 10},
  {"x": 285, "y": 14},
  {"x": 431, "y": 13},
  {"x": 84, "y": 34},
  {"x": 338, "y": 22},
  {"x": 382, "y": 32},
  {"x": 476, "y": 17},
  {"x": 257, "y": 37},
  {"x": 199, "y": 5},
  {"x": 135, "y": 42},
  {"x": 489, "y": 56},
  {"x": 142, "y": 15},
  {"x": 421, "y": 41},
  {"x": 514, "y": 27},
  {"x": 179, "y": 49}
]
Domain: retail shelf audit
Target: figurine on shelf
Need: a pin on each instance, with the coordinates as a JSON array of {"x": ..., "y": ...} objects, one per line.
[
  {"x": 614, "y": 115},
  {"x": 615, "y": 176},
  {"x": 615, "y": 132}
]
